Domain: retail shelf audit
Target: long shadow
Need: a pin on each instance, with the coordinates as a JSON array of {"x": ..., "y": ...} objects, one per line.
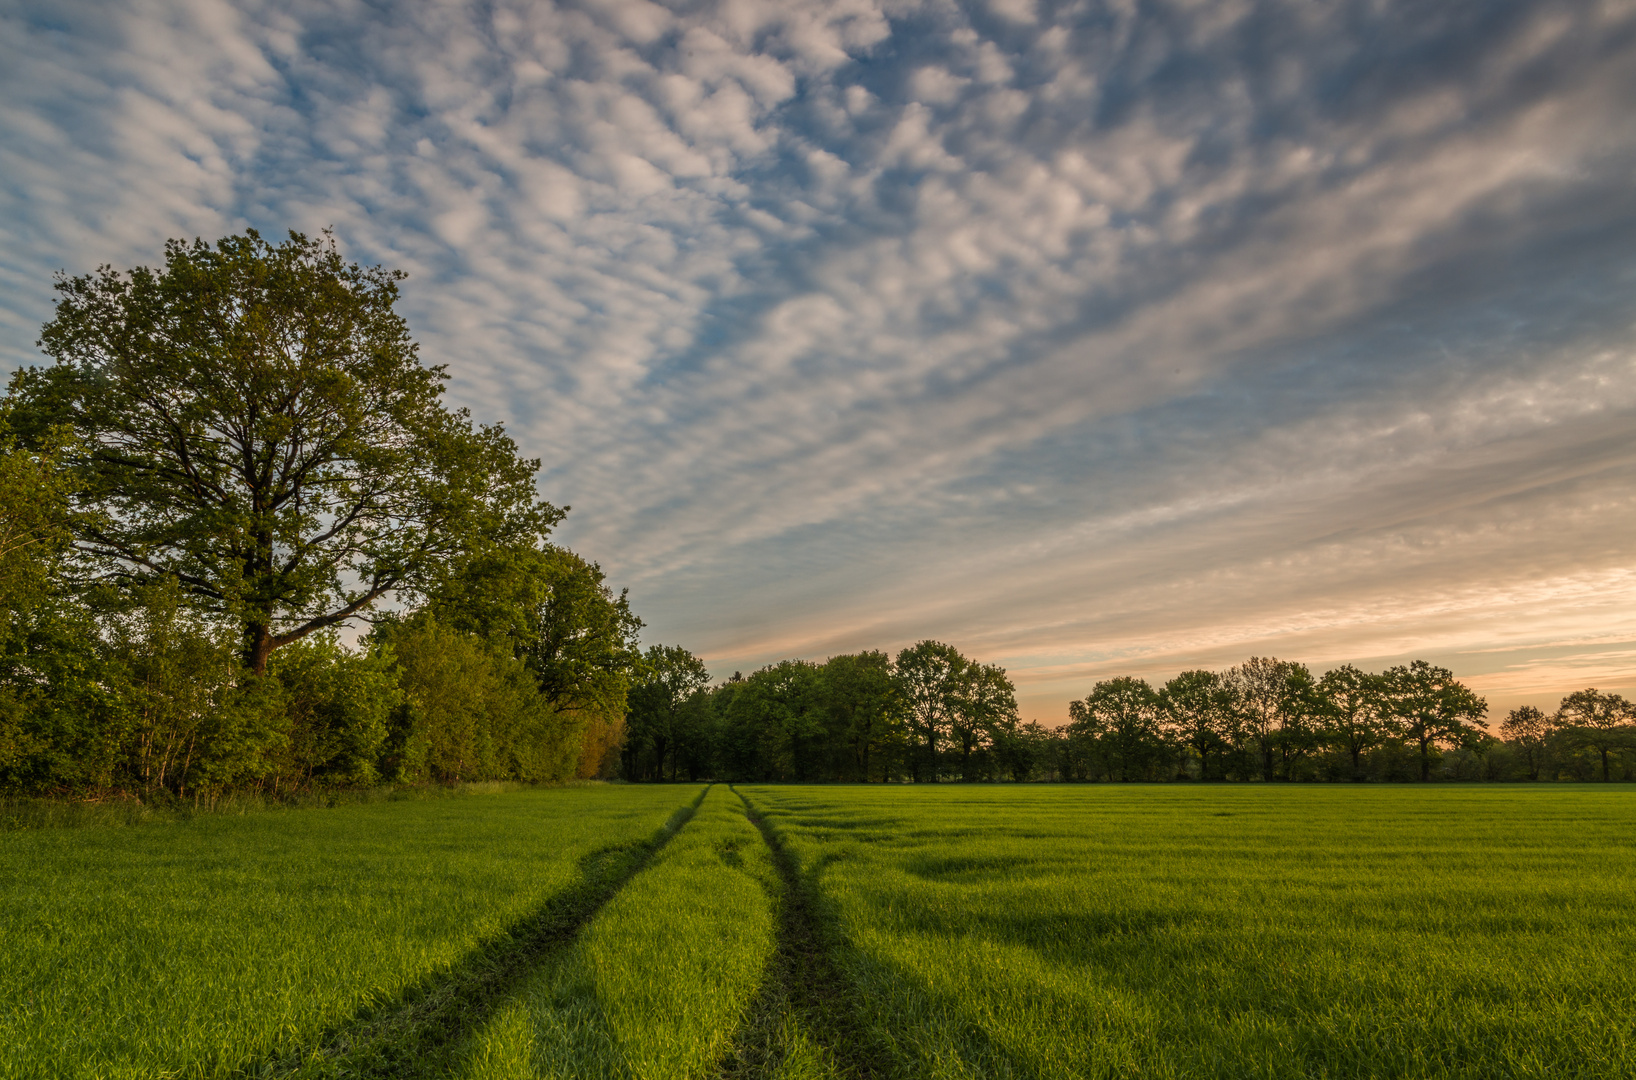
[
  {"x": 801, "y": 984},
  {"x": 411, "y": 1034},
  {"x": 843, "y": 1018}
]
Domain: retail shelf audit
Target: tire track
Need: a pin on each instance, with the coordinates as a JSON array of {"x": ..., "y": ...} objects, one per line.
[
  {"x": 411, "y": 1035},
  {"x": 805, "y": 1006}
]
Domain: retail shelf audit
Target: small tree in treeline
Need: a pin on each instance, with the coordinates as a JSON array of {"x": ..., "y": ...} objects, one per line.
[
  {"x": 929, "y": 675},
  {"x": 233, "y": 456},
  {"x": 1529, "y": 730},
  {"x": 1120, "y": 720},
  {"x": 1355, "y": 707},
  {"x": 1198, "y": 708},
  {"x": 669, "y": 675},
  {"x": 1599, "y": 721},
  {"x": 1432, "y": 707}
]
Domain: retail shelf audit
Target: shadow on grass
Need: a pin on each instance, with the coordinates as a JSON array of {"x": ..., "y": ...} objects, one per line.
[
  {"x": 804, "y": 1020},
  {"x": 801, "y": 1009},
  {"x": 809, "y": 1008},
  {"x": 415, "y": 1033}
]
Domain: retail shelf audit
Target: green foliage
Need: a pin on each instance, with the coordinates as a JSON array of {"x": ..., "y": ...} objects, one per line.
[
  {"x": 53, "y": 696},
  {"x": 339, "y": 706},
  {"x": 1354, "y": 703},
  {"x": 1529, "y": 732},
  {"x": 659, "y": 709},
  {"x": 984, "y": 709},
  {"x": 787, "y": 703},
  {"x": 1429, "y": 706},
  {"x": 252, "y": 421},
  {"x": 472, "y": 711},
  {"x": 1599, "y": 722},
  {"x": 554, "y": 611},
  {"x": 929, "y": 674},
  {"x": 191, "y": 717},
  {"x": 1201, "y": 710},
  {"x": 865, "y": 711},
  {"x": 34, "y": 527},
  {"x": 1119, "y": 721},
  {"x": 935, "y": 714},
  {"x": 239, "y": 450}
]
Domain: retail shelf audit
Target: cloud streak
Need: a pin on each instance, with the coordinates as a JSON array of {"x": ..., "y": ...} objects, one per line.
[{"x": 1086, "y": 336}]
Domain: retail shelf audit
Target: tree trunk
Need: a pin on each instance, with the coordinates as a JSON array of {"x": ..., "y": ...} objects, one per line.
[{"x": 259, "y": 647}]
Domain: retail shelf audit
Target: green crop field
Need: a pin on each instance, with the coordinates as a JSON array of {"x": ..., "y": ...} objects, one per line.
[
  {"x": 659, "y": 980},
  {"x": 232, "y": 943},
  {"x": 949, "y": 931},
  {"x": 1265, "y": 931}
]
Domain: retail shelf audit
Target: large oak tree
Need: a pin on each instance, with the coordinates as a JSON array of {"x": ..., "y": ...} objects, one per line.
[{"x": 253, "y": 421}]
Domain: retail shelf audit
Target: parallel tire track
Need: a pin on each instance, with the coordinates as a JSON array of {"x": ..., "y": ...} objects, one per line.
[{"x": 801, "y": 985}]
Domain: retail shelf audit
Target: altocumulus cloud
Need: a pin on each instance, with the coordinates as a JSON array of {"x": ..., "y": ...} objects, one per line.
[{"x": 1092, "y": 338}]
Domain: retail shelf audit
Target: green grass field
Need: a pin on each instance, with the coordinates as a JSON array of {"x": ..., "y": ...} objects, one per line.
[
  {"x": 201, "y": 948},
  {"x": 657, "y": 984},
  {"x": 1245, "y": 931},
  {"x": 955, "y": 931}
]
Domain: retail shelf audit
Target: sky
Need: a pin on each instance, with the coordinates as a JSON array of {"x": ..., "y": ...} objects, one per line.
[{"x": 1091, "y": 338}]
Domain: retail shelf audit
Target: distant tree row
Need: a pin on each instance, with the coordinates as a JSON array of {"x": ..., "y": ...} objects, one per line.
[
  {"x": 232, "y": 457},
  {"x": 933, "y": 714}
]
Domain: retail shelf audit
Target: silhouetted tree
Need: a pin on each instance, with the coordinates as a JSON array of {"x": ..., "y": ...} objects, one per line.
[
  {"x": 1122, "y": 716},
  {"x": 1262, "y": 686},
  {"x": 1199, "y": 707},
  {"x": 1353, "y": 703},
  {"x": 1599, "y": 721},
  {"x": 863, "y": 704},
  {"x": 666, "y": 680},
  {"x": 929, "y": 674},
  {"x": 1430, "y": 707},
  {"x": 984, "y": 702},
  {"x": 782, "y": 706},
  {"x": 1528, "y": 731}
]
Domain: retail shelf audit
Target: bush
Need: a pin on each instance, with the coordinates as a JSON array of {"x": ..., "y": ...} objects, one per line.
[
  {"x": 338, "y": 706},
  {"x": 472, "y": 712}
]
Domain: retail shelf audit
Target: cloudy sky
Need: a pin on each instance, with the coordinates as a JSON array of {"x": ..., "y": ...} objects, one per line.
[{"x": 1092, "y": 338}]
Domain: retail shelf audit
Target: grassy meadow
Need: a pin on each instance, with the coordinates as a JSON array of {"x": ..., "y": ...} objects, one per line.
[
  {"x": 660, "y": 980},
  {"x": 688, "y": 931},
  {"x": 219, "y": 944},
  {"x": 1244, "y": 931}
]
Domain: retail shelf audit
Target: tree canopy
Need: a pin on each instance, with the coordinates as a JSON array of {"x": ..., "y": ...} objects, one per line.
[
  {"x": 252, "y": 420},
  {"x": 232, "y": 455}
]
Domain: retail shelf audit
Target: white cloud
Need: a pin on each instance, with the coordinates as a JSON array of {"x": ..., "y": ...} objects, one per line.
[{"x": 1092, "y": 341}]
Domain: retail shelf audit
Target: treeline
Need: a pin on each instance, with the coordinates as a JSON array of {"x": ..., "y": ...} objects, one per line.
[
  {"x": 932, "y": 714},
  {"x": 231, "y": 458}
]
